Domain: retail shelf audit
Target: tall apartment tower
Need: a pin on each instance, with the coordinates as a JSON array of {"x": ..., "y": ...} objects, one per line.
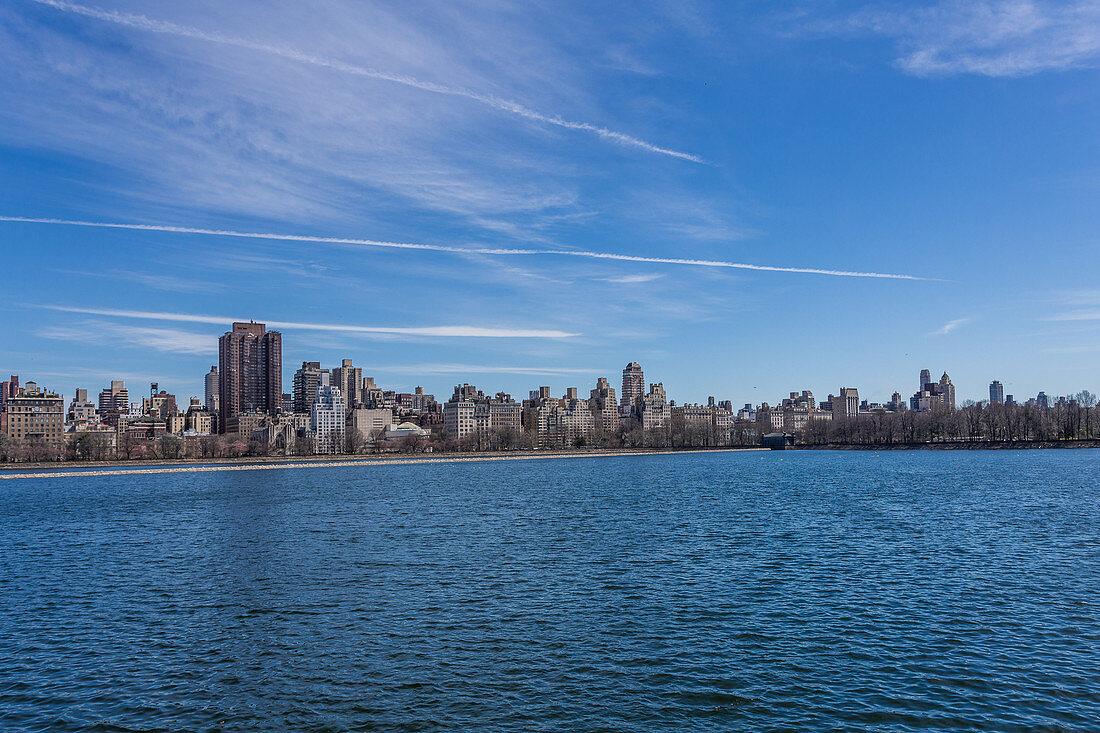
[
  {"x": 996, "y": 393},
  {"x": 847, "y": 404},
  {"x": 925, "y": 379},
  {"x": 633, "y": 385},
  {"x": 327, "y": 417},
  {"x": 213, "y": 389},
  {"x": 114, "y": 402},
  {"x": 349, "y": 379},
  {"x": 250, "y": 371},
  {"x": 306, "y": 381},
  {"x": 947, "y": 389}
]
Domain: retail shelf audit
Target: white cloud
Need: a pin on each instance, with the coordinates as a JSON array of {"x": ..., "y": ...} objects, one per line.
[
  {"x": 950, "y": 326},
  {"x": 464, "y": 250},
  {"x": 144, "y": 23},
  {"x": 988, "y": 37},
  {"x": 441, "y": 331},
  {"x": 413, "y": 369},
  {"x": 631, "y": 279},
  {"x": 159, "y": 339}
]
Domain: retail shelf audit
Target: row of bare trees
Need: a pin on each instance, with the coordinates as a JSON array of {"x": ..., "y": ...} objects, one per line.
[
  {"x": 974, "y": 422},
  {"x": 1077, "y": 419}
]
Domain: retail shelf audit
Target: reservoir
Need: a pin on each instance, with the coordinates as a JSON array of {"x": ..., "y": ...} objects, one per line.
[{"x": 787, "y": 590}]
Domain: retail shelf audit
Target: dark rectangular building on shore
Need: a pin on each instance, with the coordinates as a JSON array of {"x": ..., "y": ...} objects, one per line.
[{"x": 250, "y": 371}]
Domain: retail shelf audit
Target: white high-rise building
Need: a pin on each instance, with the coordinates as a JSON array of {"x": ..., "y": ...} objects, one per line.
[{"x": 327, "y": 415}]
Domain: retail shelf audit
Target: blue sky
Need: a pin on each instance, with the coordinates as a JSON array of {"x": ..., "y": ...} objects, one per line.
[{"x": 518, "y": 145}]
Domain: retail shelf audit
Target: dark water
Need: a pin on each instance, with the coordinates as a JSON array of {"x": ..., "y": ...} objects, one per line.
[{"x": 775, "y": 591}]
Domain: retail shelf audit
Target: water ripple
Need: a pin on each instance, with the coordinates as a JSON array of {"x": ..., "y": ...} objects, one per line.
[{"x": 826, "y": 591}]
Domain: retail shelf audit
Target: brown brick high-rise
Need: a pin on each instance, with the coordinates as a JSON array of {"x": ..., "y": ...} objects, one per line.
[{"x": 250, "y": 372}]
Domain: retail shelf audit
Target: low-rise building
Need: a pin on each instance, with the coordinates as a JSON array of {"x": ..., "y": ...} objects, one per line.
[
  {"x": 369, "y": 423},
  {"x": 562, "y": 422},
  {"x": 198, "y": 420},
  {"x": 469, "y": 411},
  {"x": 33, "y": 413},
  {"x": 653, "y": 408},
  {"x": 81, "y": 409},
  {"x": 404, "y": 431}
]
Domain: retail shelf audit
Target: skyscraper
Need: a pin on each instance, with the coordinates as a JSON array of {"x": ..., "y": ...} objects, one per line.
[
  {"x": 633, "y": 386},
  {"x": 925, "y": 380},
  {"x": 327, "y": 417},
  {"x": 114, "y": 402},
  {"x": 947, "y": 390},
  {"x": 996, "y": 393},
  {"x": 250, "y": 372},
  {"x": 349, "y": 379},
  {"x": 213, "y": 388},
  {"x": 306, "y": 381}
]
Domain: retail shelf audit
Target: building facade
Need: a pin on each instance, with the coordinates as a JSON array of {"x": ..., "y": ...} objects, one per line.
[
  {"x": 349, "y": 380},
  {"x": 33, "y": 413},
  {"x": 633, "y": 388},
  {"x": 114, "y": 402},
  {"x": 469, "y": 411},
  {"x": 604, "y": 408},
  {"x": 847, "y": 404},
  {"x": 328, "y": 416},
  {"x": 81, "y": 409},
  {"x": 306, "y": 381},
  {"x": 213, "y": 389},
  {"x": 250, "y": 372},
  {"x": 996, "y": 393},
  {"x": 369, "y": 422},
  {"x": 653, "y": 409}
]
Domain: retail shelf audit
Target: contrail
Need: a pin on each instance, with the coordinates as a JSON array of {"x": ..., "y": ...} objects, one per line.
[
  {"x": 459, "y": 250},
  {"x": 141, "y": 22},
  {"x": 445, "y": 331}
]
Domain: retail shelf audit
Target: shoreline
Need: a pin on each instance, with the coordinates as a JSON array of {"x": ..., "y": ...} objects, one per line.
[
  {"x": 128, "y": 468},
  {"x": 1077, "y": 444}
]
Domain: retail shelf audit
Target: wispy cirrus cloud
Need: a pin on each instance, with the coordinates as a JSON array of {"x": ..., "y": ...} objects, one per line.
[
  {"x": 415, "y": 369},
  {"x": 1077, "y": 315},
  {"x": 151, "y": 25},
  {"x": 437, "y": 331},
  {"x": 632, "y": 279},
  {"x": 500, "y": 251},
  {"x": 168, "y": 340},
  {"x": 987, "y": 37},
  {"x": 950, "y": 326}
]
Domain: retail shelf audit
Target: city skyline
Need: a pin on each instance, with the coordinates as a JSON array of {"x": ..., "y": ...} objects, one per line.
[
  {"x": 746, "y": 201},
  {"x": 247, "y": 344}
]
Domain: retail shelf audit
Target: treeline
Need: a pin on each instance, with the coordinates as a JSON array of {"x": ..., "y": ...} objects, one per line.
[{"x": 974, "y": 422}]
